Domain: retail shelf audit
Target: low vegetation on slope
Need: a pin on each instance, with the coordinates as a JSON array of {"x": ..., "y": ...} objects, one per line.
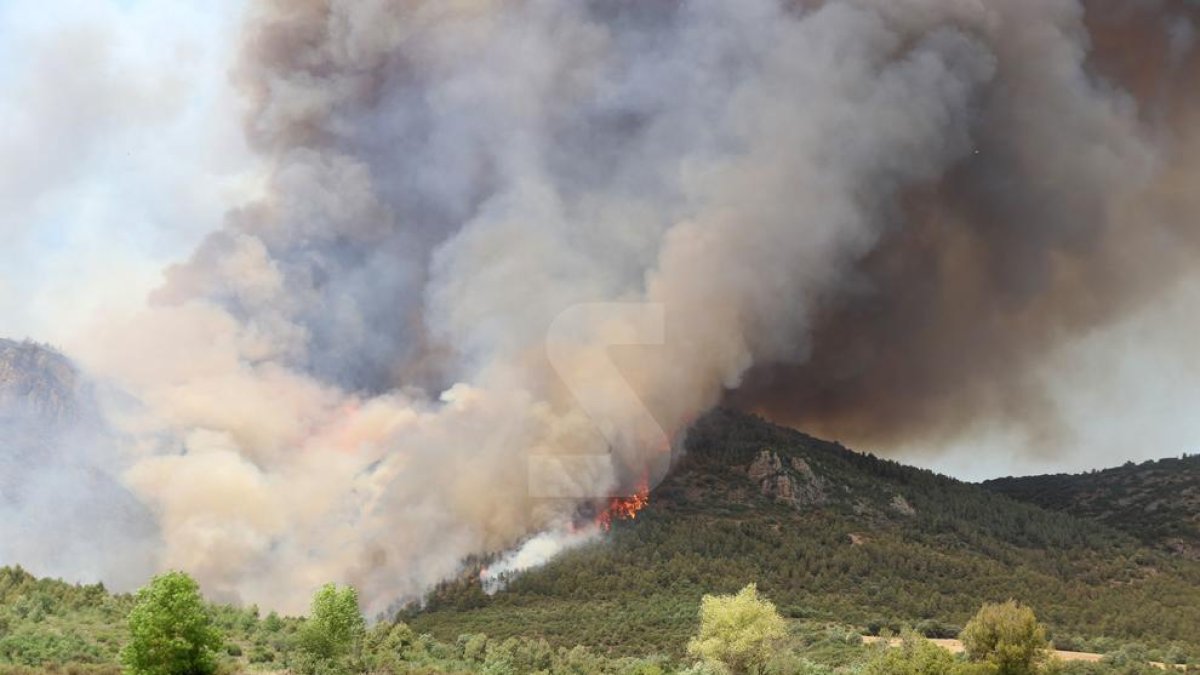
[
  {"x": 831, "y": 536},
  {"x": 1158, "y": 502},
  {"x": 167, "y": 629},
  {"x": 45, "y": 622}
]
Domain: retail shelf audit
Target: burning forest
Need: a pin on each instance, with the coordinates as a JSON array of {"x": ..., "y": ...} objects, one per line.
[
  {"x": 484, "y": 253},
  {"x": 623, "y": 508}
]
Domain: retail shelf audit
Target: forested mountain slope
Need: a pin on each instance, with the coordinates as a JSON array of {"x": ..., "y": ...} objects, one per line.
[
  {"x": 1158, "y": 501},
  {"x": 829, "y": 534}
]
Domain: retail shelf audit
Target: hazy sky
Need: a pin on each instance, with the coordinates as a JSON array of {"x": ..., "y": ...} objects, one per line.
[
  {"x": 120, "y": 146},
  {"x": 1130, "y": 391}
]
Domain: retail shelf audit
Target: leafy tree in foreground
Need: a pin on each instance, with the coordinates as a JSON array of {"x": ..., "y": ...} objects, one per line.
[
  {"x": 737, "y": 631},
  {"x": 171, "y": 632},
  {"x": 331, "y": 638},
  {"x": 1007, "y": 636}
]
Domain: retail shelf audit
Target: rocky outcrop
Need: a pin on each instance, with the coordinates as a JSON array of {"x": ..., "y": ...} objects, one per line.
[
  {"x": 900, "y": 505},
  {"x": 793, "y": 482},
  {"x": 37, "y": 383}
]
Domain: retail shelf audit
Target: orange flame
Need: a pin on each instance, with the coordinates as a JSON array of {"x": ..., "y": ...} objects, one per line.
[{"x": 623, "y": 508}]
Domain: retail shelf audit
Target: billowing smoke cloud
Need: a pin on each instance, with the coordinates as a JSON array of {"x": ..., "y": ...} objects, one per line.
[
  {"x": 1070, "y": 210},
  {"x": 872, "y": 217}
]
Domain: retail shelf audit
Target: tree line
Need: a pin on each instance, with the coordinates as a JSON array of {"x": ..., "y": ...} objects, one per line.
[{"x": 171, "y": 630}]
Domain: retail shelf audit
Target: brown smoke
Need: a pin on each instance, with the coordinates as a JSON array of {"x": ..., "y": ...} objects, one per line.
[{"x": 1053, "y": 226}]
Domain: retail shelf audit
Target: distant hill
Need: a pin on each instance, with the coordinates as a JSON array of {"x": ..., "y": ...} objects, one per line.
[
  {"x": 62, "y": 512},
  {"x": 40, "y": 400},
  {"x": 36, "y": 382},
  {"x": 830, "y": 535},
  {"x": 1157, "y": 502}
]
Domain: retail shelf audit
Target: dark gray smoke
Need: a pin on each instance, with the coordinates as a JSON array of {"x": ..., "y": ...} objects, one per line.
[{"x": 1071, "y": 211}]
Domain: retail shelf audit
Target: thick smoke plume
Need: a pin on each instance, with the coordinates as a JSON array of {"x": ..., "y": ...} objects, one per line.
[
  {"x": 870, "y": 217},
  {"x": 1072, "y": 208}
]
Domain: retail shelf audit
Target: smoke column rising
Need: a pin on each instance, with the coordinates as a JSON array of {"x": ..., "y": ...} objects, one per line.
[{"x": 870, "y": 217}]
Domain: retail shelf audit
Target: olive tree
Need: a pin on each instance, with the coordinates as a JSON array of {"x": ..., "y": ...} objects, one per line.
[
  {"x": 1007, "y": 636},
  {"x": 170, "y": 630},
  {"x": 331, "y": 637},
  {"x": 737, "y": 631}
]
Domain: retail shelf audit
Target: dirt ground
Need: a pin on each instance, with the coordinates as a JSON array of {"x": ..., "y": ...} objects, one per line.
[{"x": 955, "y": 646}]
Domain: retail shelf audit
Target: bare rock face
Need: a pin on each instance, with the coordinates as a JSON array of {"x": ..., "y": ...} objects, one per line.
[
  {"x": 764, "y": 466},
  {"x": 900, "y": 505},
  {"x": 794, "y": 483},
  {"x": 1183, "y": 547},
  {"x": 36, "y": 382},
  {"x": 39, "y": 406}
]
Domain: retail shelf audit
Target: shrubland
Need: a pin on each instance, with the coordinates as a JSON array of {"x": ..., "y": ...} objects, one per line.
[{"x": 54, "y": 627}]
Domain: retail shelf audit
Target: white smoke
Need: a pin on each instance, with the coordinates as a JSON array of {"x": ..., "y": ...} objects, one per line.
[{"x": 537, "y": 551}]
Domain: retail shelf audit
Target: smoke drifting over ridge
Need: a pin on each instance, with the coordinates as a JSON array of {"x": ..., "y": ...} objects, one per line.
[
  {"x": 869, "y": 217},
  {"x": 1074, "y": 209}
]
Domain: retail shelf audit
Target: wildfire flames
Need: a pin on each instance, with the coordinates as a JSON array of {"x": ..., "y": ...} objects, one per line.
[{"x": 623, "y": 508}]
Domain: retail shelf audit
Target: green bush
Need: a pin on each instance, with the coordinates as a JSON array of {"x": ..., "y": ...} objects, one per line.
[
  {"x": 738, "y": 631},
  {"x": 916, "y": 655},
  {"x": 1007, "y": 636},
  {"x": 330, "y": 639},
  {"x": 170, "y": 629}
]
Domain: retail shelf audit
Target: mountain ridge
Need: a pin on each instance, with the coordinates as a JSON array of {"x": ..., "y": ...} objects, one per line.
[
  {"x": 829, "y": 534},
  {"x": 1156, "y": 501},
  {"x": 37, "y": 380}
]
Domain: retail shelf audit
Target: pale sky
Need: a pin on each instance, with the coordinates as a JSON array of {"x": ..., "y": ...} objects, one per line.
[
  {"x": 120, "y": 146},
  {"x": 1130, "y": 391}
]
